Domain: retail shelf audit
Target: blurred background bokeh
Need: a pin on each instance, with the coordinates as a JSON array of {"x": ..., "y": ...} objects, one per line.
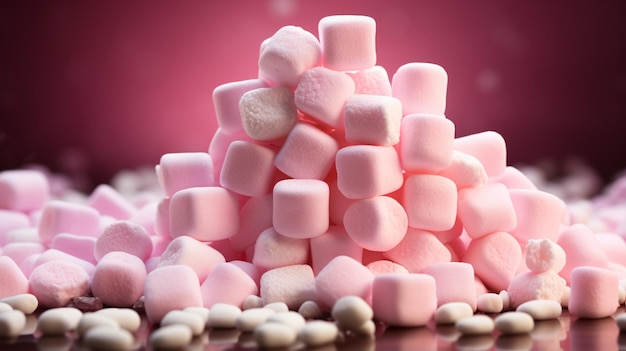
[{"x": 100, "y": 86}]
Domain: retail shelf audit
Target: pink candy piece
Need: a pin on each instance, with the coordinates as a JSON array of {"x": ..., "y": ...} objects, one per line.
[
  {"x": 418, "y": 250},
  {"x": 378, "y": 223},
  {"x": 488, "y": 147},
  {"x": 9, "y": 221},
  {"x": 109, "y": 202},
  {"x": 385, "y": 266},
  {"x": 124, "y": 236},
  {"x": 287, "y": 55},
  {"x": 226, "y": 98},
  {"x": 545, "y": 255},
  {"x": 485, "y": 210},
  {"x": 426, "y": 143},
  {"x": 301, "y": 207},
  {"x": 218, "y": 147},
  {"x": 465, "y": 171},
  {"x": 55, "y": 283},
  {"x": 335, "y": 242},
  {"x": 273, "y": 250},
  {"x": 268, "y": 113},
  {"x": 529, "y": 286},
  {"x": 421, "y": 87},
  {"x": 373, "y": 119},
  {"x": 54, "y": 255},
  {"x": 119, "y": 279},
  {"x": 539, "y": 214},
  {"x": 65, "y": 217},
  {"x": 348, "y": 42},
  {"x": 307, "y": 153},
  {"x": 452, "y": 281},
  {"x": 395, "y": 296},
  {"x": 366, "y": 170},
  {"x": 248, "y": 169},
  {"x": 162, "y": 218},
  {"x": 338, "y": 203},
  {"x": 23, "y": 190},
  {"x": 18, "y": 252},
  {"x": 513, "y": 178},
  {"x": 204, "y": 213},
  {"x": 228, "y": 284},
  {"x": 177, "y": 171},
  {"x": 594, "y": 292},
  {"x": 254, "y": 217},
  {"x": 430, "y": 202},
  {"x": 373, "y": 81},
  {"x": 170, "y": 288},
  {"x": 185, "y": 250},
  {"x": 12, "y": 280},
  {"x": 581, "y": 249},
  {"x": 614, "y": 246},
  {"x": 343, "y": 276},
  {"x": 495, "y": 258},
  {"x": 292, "y": 285}
]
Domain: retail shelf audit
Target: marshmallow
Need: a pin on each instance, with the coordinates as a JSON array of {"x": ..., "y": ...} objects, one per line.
[
  {"x": 418, "y": 250},
  {"x": 385, "y": 266},
  {"x": 12, "y": 220},
  {"x": 465, "y": 171},
  {"x": 488, "y": 147},
  {"x": 430, "y": 202},
  {"x": 421, "y": 87},
  {"x": 338, "y": 203},
  {"x": 268, "y": 113},
  {"x": 170, "y": 288},
  {"x": 64, "y": 217},
  {"x": 185, "y": 250},
  {"x": 343, "y": 276},
  {"x": 55, "y": 255},
  {"x": 513, "y": 178},
  {"x": 372, "y": 81},
  {"x": 366, "y": 170},
  {"x": 226, "y": 98},
  {"x": 218, "y": 147},
  {"x": 228, "y": 284},
  {"x": 292, "y": 285},
  {"x": 373, "y": 119},
  {"x": 119, "y": 279},
  {"x": 124, "y": 236},
  {"x": 581, "y": 249},
  {"x": 426, "y": 143},
  {"x": 348, "y": 42},
  {"x": 594, "y": 292},
  {"x": 12, "y": 280},
  {"x": 273, "y": 250},
  {"x": 614, "y": 246},
  {"x": 452, "y": 280},
  {"x": 394, "y": 296},
  {"x": 18, "y": 252},
  {"x": 57, "y": 282},
  {"x": 254, "y": 217},
  {"x": 539, "y": 214},
  {"x": 23, "y": 190},
  {"x": 485, "y": 210},
  {"x": 530, "y": 286},
  {"x": 301, "y": 208},
  {"x": 545, "y": 255},
  {"x": 335, "y": 242},
  {"x": 248, "y": 168},
  {"x": 182, "y": 170},
  {"x": 109, "y": 202}
]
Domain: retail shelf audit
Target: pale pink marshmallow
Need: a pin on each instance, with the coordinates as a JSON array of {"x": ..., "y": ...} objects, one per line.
[
  {"x": 268, "y": 113},
  {"x": 322, "y": 94},
  {"x": 250, "y": 269},
  {"x": 65, "y": 217},
  {"x": 22, "y": 235},
  {"x": 292, "y": 285},
  {"x": 23, "y": 190},
  {"x": 301, "y": 208},
  {"x": 226, "y": 99},
  {"x": 372, "y": 119},
  {"x": 430, "y": 202},
  {"x": 529, "y": 286},
  {"x": 226, "y": 249},
  {"x": 367, "y": 170},
  {"x": 204, "y": 213},
  {"x": 488, "y": 147},
  {"x": 343, "y": 276},
  {"x": 426, "y": 143},
  {"x": 56, "y": 255},
  {"x": 185, "y": 250},
  {"x": 119, "y": 279},
  {"x": 465, "y": 171},
  {"x": 28, "y": 264},
  {"x": 108, "y": 201},
  {"x": 228, "y": 284},
  {"x": 486, "y": 209},
  {"x": 307, "y": 153},
  {"x": 513, "y": 178},
  {"x": 418, "y": 250},
  {"x": 495, "y": 258},
  {"x": 594, "y": 292},
  {"x": 273, "y": 250},
  {"x": 12, "y": 279},
  {"x": 18, "y": 252},
  {"x": 348, "y": 42},
  {"x": 446, "y": 236},
  {"x": 248, "y": 169},
  {"x": 182, "y": 170},
  {"x": 539, "y": 214},
  {"x": 170, "y": 288},
  {"x": 385, "y": 266},
  {"x": 422, "y": 88},
  {"x": 124, "y": 236},
  {"x": 11, "y": 220},
  {"x": 373, "y": 81},
  {"x": 335, "y": 242},
  {"x": 219, "y": 145},
  {"x": 545, "y": 255},
  {"x": 254, "y": 217},
  {"x": 394, "y": 298},
  {"x": 378, "y": 223},
  {"x": 146, "y": 215},
  {"x": 57, "y": 282},
  {"x": 614, "y": 246},
  {"x": 452, "y": 280},
  {"x": 338, "y": 203},
  {"x": 162, "y": 218},
  {"x": 581, "y": 249}
]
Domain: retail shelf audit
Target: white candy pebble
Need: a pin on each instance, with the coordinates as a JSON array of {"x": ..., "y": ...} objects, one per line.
[
  {"x": 58, "y": 321},
  {"x": 275, "y": 335},
  {"x": 277, "y": 306},
  {"x": 351, "y": 312},
  {"x": 5, "y": 307},
  {"x": 475, "y": 325},
  {"x": 252, "y": 301},
  {"x": 175, "y": 336},
  {"x": 26, "y": 303},
  {"x": 223, "y": 315},
  {"x": 127, "y": 318},
  {"x": 108, "y": 338},
  {"x": 367, "y": 328},
  {"x": 514, "y": 323},
  {"x": 310, "y": 310},
  {"x": 318, "y": 333},
  {"x": 622, "y": 295},
  {"x": 290, "y": 318},
  {"x": 195, "y": 322},
  {"x": 92, "y": 320},
  {"x": 12, "y": 323},
  {"x": 203, "y": 312},
  {"x": 541, "y": 309},
  {"x": 252, "y": 318},
  {"x": 506, "y": 302},
  {"x": 450, "y": 312},
  {"x": 490, "y": 303}
]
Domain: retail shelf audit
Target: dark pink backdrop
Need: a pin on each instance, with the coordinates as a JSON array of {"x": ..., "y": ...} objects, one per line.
[{"x": 123, "y": 82}]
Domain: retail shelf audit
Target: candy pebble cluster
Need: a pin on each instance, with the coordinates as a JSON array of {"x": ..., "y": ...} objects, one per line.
[{"x": 331, "y": 198}]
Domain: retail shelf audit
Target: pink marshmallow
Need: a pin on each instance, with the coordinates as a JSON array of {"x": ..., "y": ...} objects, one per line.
[
  {"x": 301, "y": 208},
  {"x": 162, "y": 218},
  {"x": 614, "y": 246},
  {"x": 338, "y": 203},
  {"x": 421, "y": 87},
  {"x": 394, "y": 298},
  {"x": 343, "y": 276},
  {"x": 250, "y": 269},
  {"x": 182, "y": 170},
  {"x": 545, "y": 255},
  {"x": 372, "y": 119},
  {"x": 322, "y": 94},
  {"x": 426, "y": 143},
  {"x": 12, "y": 280},
  {"x": 228, "y": 284},
  {"x": 452, "y": 281},
  {"x": 218, "y": 147},
  {"x": 11, "y": 220},
  {"x": 348, "y": 42},
  {"x": 385, "y": 266},
  {"x": 204, "y": 213},
  {"x": 287, "y": 55},
  {"x": 109, "y": 202},
  {"x": 488, "y": 147},
  {"x": 465, "y": 171},
  {"x": 254, "y": 217},
  {"x": 64, "y": 217},
  {"x": 146, "y": 215},
  {"x": 57, "y": 282},
  {"x": 124, "y": 236},
  {"x": 486, "y": 209},
  {"x": 430, "y": 202},
  {"x": 170, "y": 288},
  {"x": 335, "y": 242},
  {"x": 248, "y": 169},
  {"x": 372, "y": 81},
  {"x": 292, "y": 285},
  {"x": 513, "y": 178},
  {"x": 378, "y": 223},
  {"x": 418, "y": 250},
  {"x": 56, "y": 255},
  {"x": 273, "y": 250},
  {"x": 268, "y": 113},
  {"x": 581, "y": 249},
  {"x": 496, "y": 258},
  {"x": 366, "y": 170},
  {"x": 594, "y": 292},
  {"x": 307, "y": 152},
  {"x": 119, "y": 279},
  {"x": 185, "y": 250},
  {"x": 539, "y": 214},
  {"x": 529, "y": 286},
  {"x": 226, "y": 99},
  {"x": 23, "y": 190},
  {"x": 18, "y": 252}
]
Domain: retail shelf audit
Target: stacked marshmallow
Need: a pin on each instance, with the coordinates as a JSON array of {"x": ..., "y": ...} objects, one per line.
[{"x": 325, "y": 179}]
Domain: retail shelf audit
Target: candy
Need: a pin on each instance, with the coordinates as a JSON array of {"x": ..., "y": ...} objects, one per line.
[
  {"x": 541, "y": 309},
  {"x": 318, "y": 333},
  {"x": 452, "y": 280},
  {"x": 301, "y": 208},
  {"x": 351, "y": 312},
  {"x": 119, "y": 279},
  {"x": 430, "y": 202},
  {"x": 393, "y": 295},
  {"x": 191, "y": 320},
  {"x": 478, "y": 324},
  {"x": 170, "y": 337},
  {"x": 421, "y": 87},
  {"x": 58, "y": 321},
  {"x": 123, "y": 236},
  {"x": 450, "y": 312},
  {"x": 290, "y": 285},
  {"x": 274, "y": 335},
  {"x": 182, "y": 170},
  {"x": 55, "y": 283},
  {"x": 343, "y": 276},
  {"x": 348, "y": 42},
  {"x": 372, "y": 119},
  {"x": 109, "y": 202},
  {"x": 594, "y": 292},
  {"x": 426, "y": 143},
  {"x": 227, "y": 283},
  {"x": 248, "y": 168},
  {"x": 11, "y": 323},
  {"x": 169, "y": 288},
  {"x": 268, "y": 113},
  {"x": 335, "y": 242},
  {"x": 273, "y": 250},
  {"x": 514, "y": 323},
  {"x": 26, "y": 303},
  {"x": 126, "y": 318},
  {"x": 192, "y": 253},
  {"x": 486, "y": 209},
  {"x": 226, "y": 99},
  {"x": 12, "y": 280},
  {"x": 23, "y": 190},
  {"x": 64, "y": 217},
  {"x": 495, "y": 258},
  {"x": 223, "y": 315},
  {"x": 108, "y": 338},
  {"x": 251, "y": 318},
  {"x": 91, "y": 320}
]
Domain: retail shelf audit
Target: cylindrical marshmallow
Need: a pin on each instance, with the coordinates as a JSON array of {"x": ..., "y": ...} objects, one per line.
[
  {"x": 529, "y": 286},
  {"x": 581, "y": 249},
  {"x": 119, "y": 279},
  {"x": 394, "y": 297},
  {"x": 109, "y": 202},
  {"x": 23, "y": 190},
  {"x": 248, "y": 168},
  {"x": 421, "y": 87},
  {"x": 452, "y": 280},
  {"x": 373, "y": 119},
  {"x": 539, "y": 214},
  {"x": 273, "y": 250},
  {"x": 229, "y": 284},
  {"x": 594, "y": 292},
  {"x": 486, "y": 209},
  {"x": 488, "y": 147},
  {"x": 292, "y": 285},
  {"x": 430, "y": 202},
  {"x": 123, "y": 236},
  {"x": 373, "y": 81},
  {"x": 226, "y": 99},
  {"x": 378, "y": 223},
  {"x": 301, "y": 208},
  {"x": 182, "y": 170},
  {"x": 426, "y": 143},
  {"x": 343, "y": 276},
  {"x": 185, "y": 250},
  {"x": 170, "y": 288},
  {"x": 335, "y": 242},
  {"x": 348, "y": 42},
  {"x": 12, "y": 280},
  {"x": 268, "y": 113},
  {"x": 65, "y": 217},
  {"x": 55, "y": 283},
  {"x": 418, "y": 250}
]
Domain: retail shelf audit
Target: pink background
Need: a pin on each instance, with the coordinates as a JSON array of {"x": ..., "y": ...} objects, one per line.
[{"x": 123, "y": 82}]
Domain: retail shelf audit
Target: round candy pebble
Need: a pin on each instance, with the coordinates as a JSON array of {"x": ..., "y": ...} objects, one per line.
[
  {"x": 310, "y": 310},
  {"x": 478, "y": 324},
  {"x": 191, "y": 320},
  {"x": 318, "y": 333},
  {"x": 489, "y": 303},
  {"x": 55, "y": 283},
  {"x": 126, "y": 318},
  {"x": 119, "y": 279},
  {"x": 274, "y": 335},
  {"x": 290, "y": 318},
  {"x": 514, "y": 323},
  {"x": 12, "y": 323},
  {"x": 58, "y": 321},
  {"x": 91, "y": 320},
  {"x": 170, "y": 337},
  {"x": 252, "y": 318},
  {"x": 26, "y": 303},
  {"x": 541, "y": 309},
  {"x": 450, "y": 312},
  {"x": 543, "y": 255},
  {"x": 277, "y": 306},
  {"x": 301, "y": 208},
  {"x": 223, "y": 315},
  {"x": 351, "y": 312},
  {"x": 108, "y": 338}
]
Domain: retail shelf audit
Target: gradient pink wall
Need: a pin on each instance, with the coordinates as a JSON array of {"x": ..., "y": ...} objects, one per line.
[{"x": 126, "y": 81}]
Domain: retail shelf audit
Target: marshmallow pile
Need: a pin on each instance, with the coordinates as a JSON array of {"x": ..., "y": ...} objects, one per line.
[{"x": 325, "y": 180}]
